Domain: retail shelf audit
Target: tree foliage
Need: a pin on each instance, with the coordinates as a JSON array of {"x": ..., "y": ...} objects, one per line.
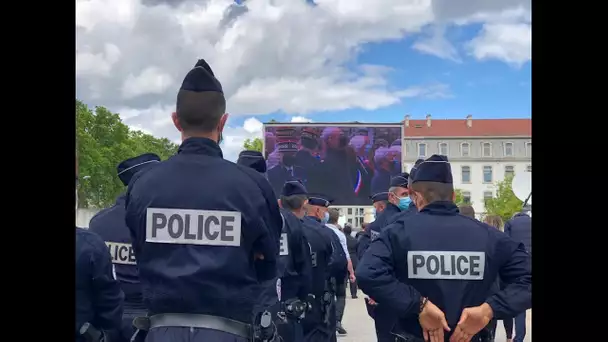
[
  {"x": 104, "y": 141},
  {"x": 505, "y": 204},
  {"x": 253, "y": 144},
  {"x": 459, "y": 199}
]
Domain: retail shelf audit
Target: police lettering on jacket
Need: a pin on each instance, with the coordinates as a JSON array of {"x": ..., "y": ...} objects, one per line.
[
  {"x": 121, "y": 253},
  {"x": 446, "y": 265},
  {"x": 193, "y": 227}
]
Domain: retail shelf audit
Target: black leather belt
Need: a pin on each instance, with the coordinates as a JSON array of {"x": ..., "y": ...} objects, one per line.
[{"x": 202, "y": 321}]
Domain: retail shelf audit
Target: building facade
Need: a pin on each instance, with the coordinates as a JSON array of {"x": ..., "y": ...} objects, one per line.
[{"x": 482, "y": 152}]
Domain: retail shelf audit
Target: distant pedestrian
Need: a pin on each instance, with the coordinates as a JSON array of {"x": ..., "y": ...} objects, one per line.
[
  {"x": 351, "y": 244},
  {"x": 466, "y": 210}
]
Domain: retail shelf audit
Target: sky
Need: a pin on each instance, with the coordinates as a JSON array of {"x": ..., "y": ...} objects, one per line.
[{"x": 306, "y": 61}]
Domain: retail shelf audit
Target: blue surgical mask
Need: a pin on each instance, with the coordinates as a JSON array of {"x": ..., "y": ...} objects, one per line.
[
  {"x": 404, "y": 202},
  {"x": 325, "y": 218}
]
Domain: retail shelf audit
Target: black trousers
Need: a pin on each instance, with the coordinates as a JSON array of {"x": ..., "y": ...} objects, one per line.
[{"x": 340, "y": 298}]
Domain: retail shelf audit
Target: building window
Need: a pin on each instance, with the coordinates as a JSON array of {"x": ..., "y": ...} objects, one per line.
[
  {"x": 466, "y": 197},
  {"x": 508, "y": 149},
  {"x": 464, "y": 149},
  {"x": 487, "y": 174},
  {"x": 466, "y": 174},
  {"x": 487, "y": 195},
  {"x": 350, "y": 220},
  {"x": 529, "y": 168},
  {"x": 486, "y": 149},
  {"x": 443, "y": 149},
  {"x": 509, "y": 171},
  {"x": 421, "y": 150},
  {"x": 350, "y": 211},
  {"x": 529, "y": 149}
]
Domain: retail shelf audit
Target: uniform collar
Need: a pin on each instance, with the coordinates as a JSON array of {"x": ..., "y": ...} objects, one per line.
[
  {"x": 314, "y": 218},
  {"x": 200, "y": 146},
  {"x": 393, "y": 208},
  {"x": 441, "y": 208}
]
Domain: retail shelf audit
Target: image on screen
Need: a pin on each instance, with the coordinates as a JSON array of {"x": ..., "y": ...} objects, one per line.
[{"x": 346, "y": 163}]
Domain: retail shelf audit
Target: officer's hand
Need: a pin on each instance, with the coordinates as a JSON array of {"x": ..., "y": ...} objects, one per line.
[
  {"x": 471, "y": 322},
  {"x": 371, "y": 301},
  {"x": 258, "y": 256},
  {"x": 433, "y": 322},
  {"x": 352, "y": 278}
]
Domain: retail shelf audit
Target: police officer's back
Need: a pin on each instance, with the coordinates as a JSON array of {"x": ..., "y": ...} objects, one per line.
[
  {"x": 110, "y": 225},
  {"x": 443, "y": 263},
  {"x": 519, "y": 228},
  {"x": 99, "y": 299},
  {"x": 205, "y": 230}
]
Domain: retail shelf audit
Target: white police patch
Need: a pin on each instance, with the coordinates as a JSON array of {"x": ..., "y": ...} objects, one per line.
[
  {"x": 446, "y": 265},
  {"x": 193, "y": 227},
  {"x": 121, "y": 253},
  {"x": 374, "y": 234},
  {"x": 284, "y": 245}
]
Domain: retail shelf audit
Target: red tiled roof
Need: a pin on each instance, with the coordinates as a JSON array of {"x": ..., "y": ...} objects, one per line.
[{"x": 459, "y": 128}]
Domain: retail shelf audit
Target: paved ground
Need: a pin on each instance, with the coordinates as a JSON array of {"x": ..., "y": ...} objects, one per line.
[{"x": 360, "y": 326}]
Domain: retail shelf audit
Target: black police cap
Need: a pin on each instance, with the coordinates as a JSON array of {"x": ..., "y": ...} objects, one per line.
[
  {"x": 380, "y": 196},
  {"x": 319, "y": 200},
  {"x": 400, "y": 180},
  {"x": 293, "y": 187},
  {"x": 252, "y": 159},
  {"x": 128, "y": 168},
  {"x": 201, "y": 79},
  {"x": 435, "y": 169}
]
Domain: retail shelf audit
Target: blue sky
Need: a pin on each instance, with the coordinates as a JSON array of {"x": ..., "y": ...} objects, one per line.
[{"x": 486, "y": 89}]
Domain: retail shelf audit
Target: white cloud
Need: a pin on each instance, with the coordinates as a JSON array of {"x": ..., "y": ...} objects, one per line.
[
  {"x": 151, "y": 80},
  {"x": 436, "y": 44},
  {"x": 300, "y": 119},
  {"x": 234, "y": 137},
  {"x": 272, "y": 55},
  {"x": 511, "y": 43}
]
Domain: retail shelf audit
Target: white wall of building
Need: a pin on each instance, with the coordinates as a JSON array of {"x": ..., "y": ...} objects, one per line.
[{"x": 83, "y": 216}]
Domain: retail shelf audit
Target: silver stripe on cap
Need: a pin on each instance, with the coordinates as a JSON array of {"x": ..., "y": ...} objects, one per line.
[{"x": 136, "y": 165}]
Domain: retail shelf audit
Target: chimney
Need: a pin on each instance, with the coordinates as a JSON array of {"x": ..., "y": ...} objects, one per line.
[
  {"x": 407, "y": 120},
  {"x": 469, "y": 120},
  {"x": 428, "y": 120}
]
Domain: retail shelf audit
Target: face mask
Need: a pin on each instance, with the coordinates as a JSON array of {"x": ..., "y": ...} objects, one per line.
[
  {"x": 404, "y": 202},
  {"x": 325, "y": 218}
]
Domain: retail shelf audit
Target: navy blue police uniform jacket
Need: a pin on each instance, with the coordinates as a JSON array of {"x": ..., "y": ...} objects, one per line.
[
  {"x": 363, "y": 242},
  {"x": 99, "y": 299},
  {"x": 375, "y": 228},
  {"x": 196, "y": 222},
  {"x": 519, "y": 228},
  {"x": 338, "y": 264},
  {"x": 451, "y": 259},
  {"x": 110, "y": 225},
  {"x": 320, "y": 250},
  {"x": 295, "y": 266}
]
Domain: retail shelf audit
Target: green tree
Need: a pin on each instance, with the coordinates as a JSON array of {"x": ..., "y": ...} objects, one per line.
[
  {"x": 253, "y": 144},
  {"x": 505, "y": 204},
  {"x": 459, "y": 199},
  {"x": 104, "y": 141}
]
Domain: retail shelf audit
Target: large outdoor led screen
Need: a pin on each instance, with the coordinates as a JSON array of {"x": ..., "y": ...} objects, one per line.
[{"x": 347, "y": 162}]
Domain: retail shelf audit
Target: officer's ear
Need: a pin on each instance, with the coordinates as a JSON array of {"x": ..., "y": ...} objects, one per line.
[
  {"x": 176, "y": 121},
  {"x": 453, "y": 196},
  {"x": 220, "y": 127},
  {"x": 279, "y": 201}
]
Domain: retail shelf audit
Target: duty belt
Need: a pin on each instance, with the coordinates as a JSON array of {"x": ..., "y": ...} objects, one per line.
[{"x": 203, "y": 322}]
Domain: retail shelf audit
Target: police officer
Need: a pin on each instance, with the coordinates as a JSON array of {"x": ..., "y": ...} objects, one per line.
[
  {"x": 99, "y": 299},
  {"x": 205, "y": 230},
  {"x": 254, "y": 160},
  {"x": 437, "y": 274},
  {"x": 295, "y": 267},
  {"x": 412, "y": 206},
  {"x": 398, "y": 201},
  {"x": 316, "y": 324},
  {"x": 379, "y": 201},
  {"x": 110, "y": 225},
  {"x": 317, "y": 212}
]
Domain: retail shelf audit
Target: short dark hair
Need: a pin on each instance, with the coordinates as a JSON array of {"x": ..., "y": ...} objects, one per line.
[
  {"x": 309, "y": 143},
  {"x": 434, "y": 191},
  {"x": 347, "y": 229},
  {"x": 334, "y": 215},
  {"x": 294, "y": 202},
  {"x": 200, "y": 111},
  {"x": 467, "y": 210}
]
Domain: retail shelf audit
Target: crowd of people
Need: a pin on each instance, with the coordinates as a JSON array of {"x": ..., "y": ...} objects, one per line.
[
  {"x": 345, "y": 163},
  {"x": 199, "y": 249}
]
